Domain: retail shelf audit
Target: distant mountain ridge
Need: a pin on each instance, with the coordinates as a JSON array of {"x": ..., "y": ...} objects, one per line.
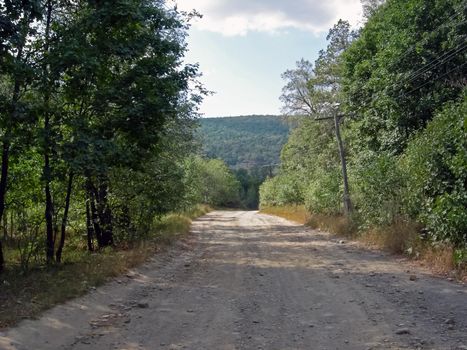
[{"x": 244, "y": 141}]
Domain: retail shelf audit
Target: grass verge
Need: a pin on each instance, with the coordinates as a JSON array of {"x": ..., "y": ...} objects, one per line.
[
  {"x": 402, "y": 237},
  {"x": 26, "y": 294},
  {"x": 297, "y": 213}
]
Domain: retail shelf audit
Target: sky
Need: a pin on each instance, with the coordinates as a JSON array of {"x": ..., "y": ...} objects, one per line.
[{"x": 243, "y": 47}]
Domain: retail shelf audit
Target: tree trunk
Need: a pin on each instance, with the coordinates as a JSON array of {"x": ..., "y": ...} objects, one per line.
[
  {"x": 105, "y": 214},
  {"x": 50, "y": 243},
  {"x": 90, "y": 228},
  {"x": 101, "y": 213},
  {"x": 347, "y": 201},
  {"x": 58, "y": 255},
  {"x": 94, "y": 216},
  {"x": 12, "y": 222},
  {"x": 5, "y": 226},
  {"x": 3, "y": 188}
]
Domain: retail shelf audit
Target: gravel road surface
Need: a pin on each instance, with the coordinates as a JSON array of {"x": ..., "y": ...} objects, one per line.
[{"x": 245, "y": 280}]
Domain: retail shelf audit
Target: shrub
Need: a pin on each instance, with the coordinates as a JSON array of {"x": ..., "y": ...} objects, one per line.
[
  {"x": 436, "y": 166},
  {"x": 284, "y": 189},
  {"x": 377, "y": 186},
  {"x": 324, "y": 193}
]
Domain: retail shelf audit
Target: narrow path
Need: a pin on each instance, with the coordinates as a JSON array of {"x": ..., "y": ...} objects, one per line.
[{"x": 245, "y": 280}]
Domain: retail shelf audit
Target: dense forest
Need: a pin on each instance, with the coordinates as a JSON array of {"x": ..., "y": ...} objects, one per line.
[
  {"x": 250, "y": 146},
  {"x": 384, "y": 141},
  {"x": 244, "y": 142},
  {"x": 97, "y": 117}
]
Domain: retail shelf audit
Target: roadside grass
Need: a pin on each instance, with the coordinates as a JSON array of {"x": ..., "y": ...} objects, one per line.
[
  {"x": 402, "y": 237},
  {"x": 296, "y": 213},
  {"x": 25, "y": 294},
  {"x": 336, "y": 224},
  {"x": 339, "y": 225}
]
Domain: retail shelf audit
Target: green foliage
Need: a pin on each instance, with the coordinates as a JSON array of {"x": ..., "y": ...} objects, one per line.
[
  {"x": 309, "y": 172},
  {"x": 211, "y": 182},
  {"x": 323, "y": 194},
  {"x": 250, "y": 145},
  {"x": 97, "y": 118},
  {"x": 401, "y": 85},
  {"x": 436, "y": 167},
  {"x": 281, "y": 190},
  {"x": 378, "y": 186},
  {"x": 244, "y": 142},
  {"x": 250, "y": 181},
  {"x": 310, "y": 168},
  {"x": 407, "y": 62}
]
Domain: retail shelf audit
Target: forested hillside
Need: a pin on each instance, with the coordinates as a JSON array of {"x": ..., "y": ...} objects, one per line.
[
  {"x": 384, "y": 141},
  {"x": 244, "y": 142},
  {"x": 250, "y": 145}
]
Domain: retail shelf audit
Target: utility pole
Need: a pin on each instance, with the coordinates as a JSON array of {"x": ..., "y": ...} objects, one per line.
[
  {"x": 347, "y": 201},
  {"x": 337, "y": 121}
]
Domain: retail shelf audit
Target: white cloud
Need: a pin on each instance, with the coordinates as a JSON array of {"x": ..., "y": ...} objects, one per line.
[{"x": 238, "y": 17}]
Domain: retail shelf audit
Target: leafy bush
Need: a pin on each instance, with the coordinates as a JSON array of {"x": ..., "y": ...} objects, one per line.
[
  {"x": 284, "y": 189},
  {"x": 377, "y": 187},
  {"x": 324, "y": 193},
  {"x": 211, "y": 182},
  {"x": 436, "y": 167}
]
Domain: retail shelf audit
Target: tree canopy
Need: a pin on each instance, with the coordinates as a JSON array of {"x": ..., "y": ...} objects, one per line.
[{"x": 98, "y": 110}]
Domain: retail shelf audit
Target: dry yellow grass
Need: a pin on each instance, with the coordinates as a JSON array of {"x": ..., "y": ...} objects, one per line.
[
  {"x": 439, "y": 259},
  {"x": 293, "y": 213},
  {"x": 339, "y": 225},
  {"x": 335, "y": 224},
  {"x": 399, "y": 238}
]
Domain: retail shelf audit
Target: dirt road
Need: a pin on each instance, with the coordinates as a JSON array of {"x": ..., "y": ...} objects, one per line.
[{"x": 249, "y": 281}]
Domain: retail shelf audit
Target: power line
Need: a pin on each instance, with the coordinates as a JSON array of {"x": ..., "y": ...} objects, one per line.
[
  {"x": 431, "y": 65},
  {"x": 442, "y": 76},
  {"x": 457, "y": 13},
  {"x": 436, "y": 62}
]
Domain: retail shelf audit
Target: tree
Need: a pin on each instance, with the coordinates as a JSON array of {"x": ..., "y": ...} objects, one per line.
[
  {"x": 124, "y": 86},
  {"x": 298, "y": 93},
  {"x": 93, "y": 92},
  {"x": 317, "y": 92},
  {"x": 211, "y": 182},
  {"x": 16, "y": 45},
  {"x": 408, "y": 60},
  {"x": 370, "y": 7}
]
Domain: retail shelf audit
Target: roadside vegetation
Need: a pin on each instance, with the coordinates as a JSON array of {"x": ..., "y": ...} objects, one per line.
[
  {"x": 27, "y": 293},
  {"x": 396, "y": 91},
  {"x": 99, "y": 162}
]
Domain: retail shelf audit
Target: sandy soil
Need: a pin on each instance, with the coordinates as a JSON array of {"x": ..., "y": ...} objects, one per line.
[{"x": 244, "y": 280}]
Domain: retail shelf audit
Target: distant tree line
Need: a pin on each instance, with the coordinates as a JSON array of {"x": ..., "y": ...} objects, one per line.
[
  {"x": 244, "y": 142},
  {"x": 250, "y": 145}
]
